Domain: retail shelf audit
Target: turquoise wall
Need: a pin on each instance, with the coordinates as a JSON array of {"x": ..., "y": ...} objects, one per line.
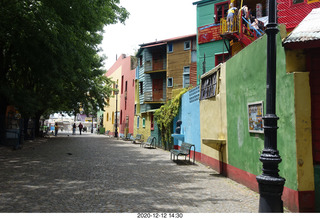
[
  {"x": 246, "y": 83},
  {"x": 205, "y": 14},
  {"x": 189, "y": 114}
]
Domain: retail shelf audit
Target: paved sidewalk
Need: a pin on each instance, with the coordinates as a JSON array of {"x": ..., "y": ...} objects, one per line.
[{"x": 94, "y": 173}]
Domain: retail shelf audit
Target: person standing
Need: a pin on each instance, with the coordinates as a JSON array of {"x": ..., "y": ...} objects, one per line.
[
  {"x": 80, "y": 127},
  {"x": 74, "y": 128},
  {"x": 230, "y": 17},
  {"x": 56, "y": 127}
]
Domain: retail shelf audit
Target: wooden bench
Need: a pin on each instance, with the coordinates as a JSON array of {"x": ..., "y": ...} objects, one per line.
[
  {"x": 151, "y": 142},
  {"x": 185, "y": 150},
  {"x": 138, "y": 139}
]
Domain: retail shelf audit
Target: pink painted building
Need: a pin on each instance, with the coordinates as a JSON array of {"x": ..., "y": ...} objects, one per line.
[
  {"x": 122, "y": 73},
  {"x": 126, "y": 91}
]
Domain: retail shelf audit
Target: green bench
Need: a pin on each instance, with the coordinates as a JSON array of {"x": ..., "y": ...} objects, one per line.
[
  {"x": 151, "y": 142},
  {"x": 138, "y": 139},
  {"x": 128, "y": 137},
  {"x": 185, "y": 150}
]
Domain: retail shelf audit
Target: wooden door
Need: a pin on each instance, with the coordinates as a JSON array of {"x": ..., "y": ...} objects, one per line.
[{"x": 157, "y": 89}]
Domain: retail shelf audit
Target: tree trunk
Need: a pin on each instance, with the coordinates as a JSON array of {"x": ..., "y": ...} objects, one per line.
[
  {"x": 37, "y": 124},
  {"x": 3, "y": 109}
]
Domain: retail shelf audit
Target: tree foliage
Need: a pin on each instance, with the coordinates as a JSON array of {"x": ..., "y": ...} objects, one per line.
[
  {"x": 165, "y": 116},
  {"x": 49, "y": 54}
]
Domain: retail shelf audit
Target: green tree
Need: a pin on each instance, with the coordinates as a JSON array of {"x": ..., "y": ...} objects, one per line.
[{"x": 49, "y": 54}]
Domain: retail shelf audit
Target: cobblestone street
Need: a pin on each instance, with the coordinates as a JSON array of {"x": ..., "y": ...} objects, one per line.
[{"x": 94, "y": 173}]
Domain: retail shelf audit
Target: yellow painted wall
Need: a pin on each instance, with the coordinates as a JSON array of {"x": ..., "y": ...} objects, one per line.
[
  {"x": 111, "y": 109},
  {"x": 213, "y": 119},
  {"x": 305, "y": 172},
  {"x": 295, "y": 61},
  {"x": 145, "y": 131}
]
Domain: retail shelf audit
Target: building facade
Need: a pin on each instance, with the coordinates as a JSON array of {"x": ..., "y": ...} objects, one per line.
[{"x": 120, "y": 104}]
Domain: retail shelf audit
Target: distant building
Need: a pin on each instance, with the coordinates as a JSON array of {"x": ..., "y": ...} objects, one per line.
[{"x": 122, "y": 73}]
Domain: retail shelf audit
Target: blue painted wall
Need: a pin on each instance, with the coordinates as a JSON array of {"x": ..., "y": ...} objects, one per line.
[{"x": 189, "y": 114}]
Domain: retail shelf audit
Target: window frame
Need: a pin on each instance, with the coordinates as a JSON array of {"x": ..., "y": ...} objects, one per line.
[
  {"x": 170, "y": 78},
  {"x": 170, "y": 45},
  {"x": 143, "y": 122},
  {"x": 187, "y": 48},
  {"x": 184, "y": 74},
  {"x": 216, "y": 20},
  {"x": 141, "y": 87}
]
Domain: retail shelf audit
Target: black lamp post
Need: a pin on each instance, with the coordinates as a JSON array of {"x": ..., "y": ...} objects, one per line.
[
  {"x": 92, "y": 124},
  {"x": 270, "y": 183},
  {"x": 116, "y": 131}
]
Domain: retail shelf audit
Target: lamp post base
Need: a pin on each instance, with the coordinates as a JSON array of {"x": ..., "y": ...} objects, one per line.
[{"x": 270, "y": 189}]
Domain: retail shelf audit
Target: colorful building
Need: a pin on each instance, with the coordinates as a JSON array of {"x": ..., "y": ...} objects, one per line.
[
  {"x": 126, "y": 93},
  {"x": 164, "y": 68},
  {"x": 303, "y": 57},
  {"x": 181, "y": 64},
  {"x": 151, "y": 86},
  {"x": 122, "y": 102}
]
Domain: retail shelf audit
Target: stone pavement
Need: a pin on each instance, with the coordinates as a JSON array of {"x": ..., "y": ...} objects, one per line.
[{"x": 94, "y": 173}]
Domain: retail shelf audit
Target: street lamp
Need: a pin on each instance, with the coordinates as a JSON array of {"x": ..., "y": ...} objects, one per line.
[
  {"x": 116, "y": 131},
  {"x": 270, "y": 183}
]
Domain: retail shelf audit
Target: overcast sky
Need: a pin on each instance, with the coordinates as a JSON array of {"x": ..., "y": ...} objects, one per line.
[{"x": 149, "y": 20}]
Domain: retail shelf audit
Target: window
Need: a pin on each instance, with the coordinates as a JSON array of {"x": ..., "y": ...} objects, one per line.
[
  {"x": 141, "y": 61},
  {"x": 152, "y": 123},
  {"x": 112, "y": 117},
  {"x": 194, "y": 56},
  {"x": 138, "y": 121},
  {"x": 141, "y": 87},
  {"x": 209, "y": 85},
  {"x": 107, "y": 117},
  {"x": 122, "y": 78},
  {"x": 143, "y": 122},
  {"x": 297, "y": 1},
  {"x": 220, "y": 58},
  {"x": 187, "y": 45},
  {"x": 221, "y": 11},
  {"x": 121, "y": 117},
  {"x": 186, "y": 76},
  {"x": 170, "y": 47},
  {"x": 126, "y": 87},
  {"x": 170, "y": 82}
]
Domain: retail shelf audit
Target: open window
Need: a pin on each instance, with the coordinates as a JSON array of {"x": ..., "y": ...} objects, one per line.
[{"x": 220, "y": 11}]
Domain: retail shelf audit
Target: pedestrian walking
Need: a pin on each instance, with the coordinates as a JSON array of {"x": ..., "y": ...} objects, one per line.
[
  {"x": 80, "y": 127},
  {"x": 56, "y": 127},
  {"x": 74, "y": 128}
]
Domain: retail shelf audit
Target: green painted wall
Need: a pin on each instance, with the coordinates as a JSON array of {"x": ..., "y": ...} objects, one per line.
[
  {"x": 205, "y": 16},
  {"x": 246, "y": 83}
]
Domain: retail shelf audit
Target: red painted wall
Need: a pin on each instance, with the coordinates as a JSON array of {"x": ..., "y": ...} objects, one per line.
[
  {"x": 193, "y": 74},
  {"x": 127, "y": 96},
  {"x": 292, "y": 14},
  {"x": 126, "y": 109}
]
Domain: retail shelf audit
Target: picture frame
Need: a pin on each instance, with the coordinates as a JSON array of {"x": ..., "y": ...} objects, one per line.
[{"x": 255, "y": 114}]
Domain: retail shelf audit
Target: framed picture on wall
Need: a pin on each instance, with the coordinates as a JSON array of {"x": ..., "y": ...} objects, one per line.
[{"x": 255, "y": 113}]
